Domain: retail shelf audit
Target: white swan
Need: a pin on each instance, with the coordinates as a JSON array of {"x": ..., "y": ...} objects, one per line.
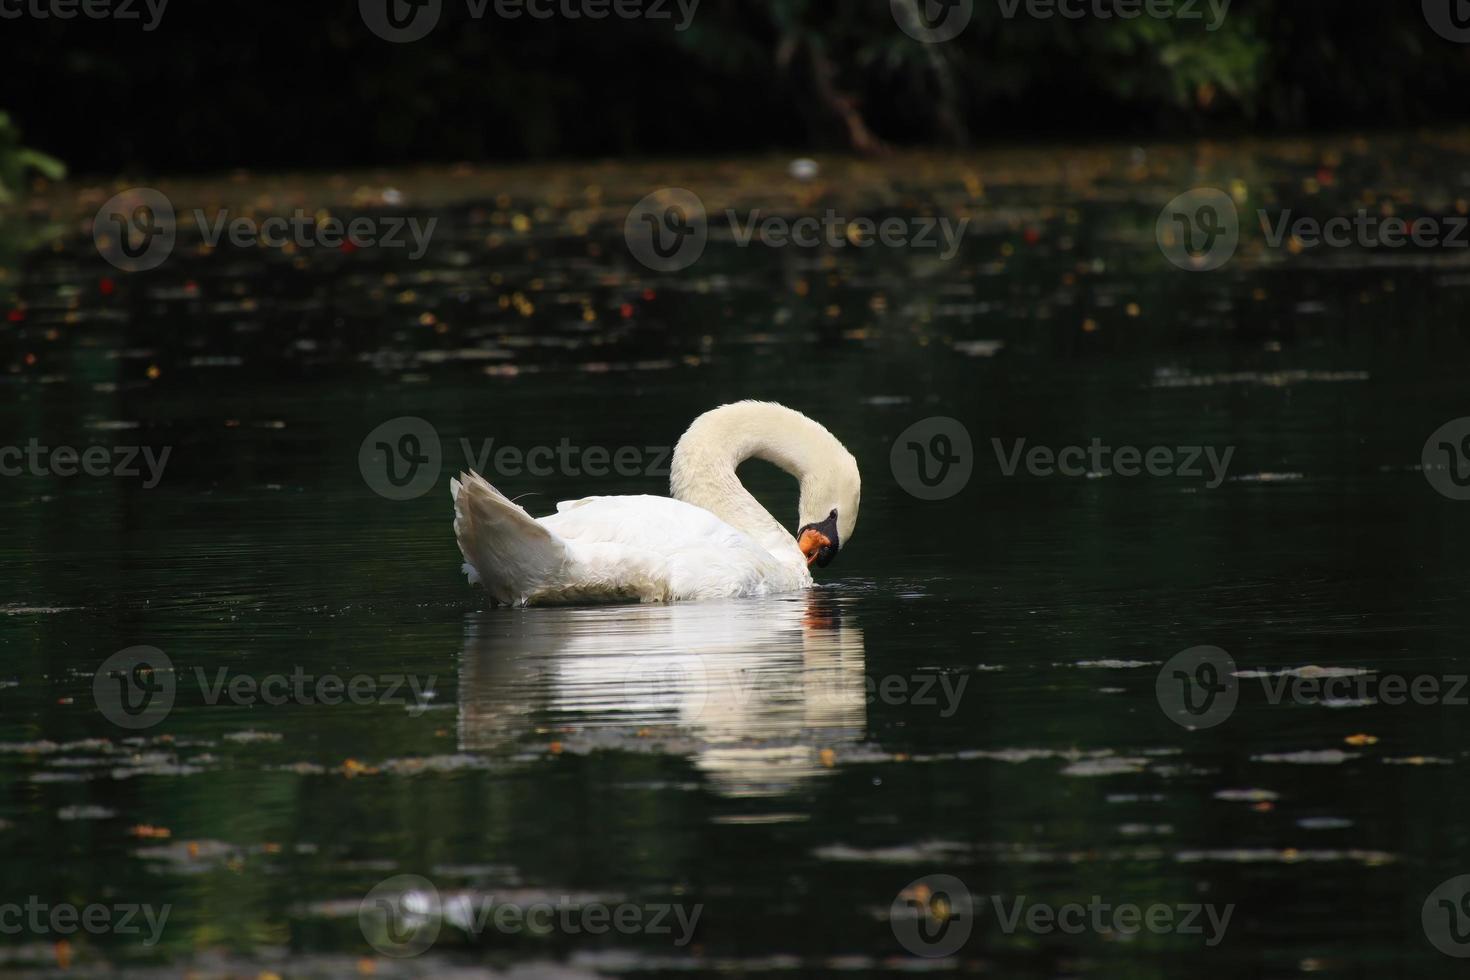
[{"x": 711, "y": 540}]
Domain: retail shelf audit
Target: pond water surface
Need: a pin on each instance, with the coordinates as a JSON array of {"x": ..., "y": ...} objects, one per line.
[{"x": 977, "y": 688}]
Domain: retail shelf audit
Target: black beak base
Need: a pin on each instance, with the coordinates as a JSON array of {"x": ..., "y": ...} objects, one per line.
[{"x": 828, "y": 529}]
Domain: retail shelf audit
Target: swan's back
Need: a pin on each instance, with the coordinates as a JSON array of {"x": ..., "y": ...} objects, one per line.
[{"x": 672, "y": 549}]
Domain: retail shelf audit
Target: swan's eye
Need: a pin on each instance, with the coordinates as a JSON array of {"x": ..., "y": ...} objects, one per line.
[{"x": 819, "y": 542}]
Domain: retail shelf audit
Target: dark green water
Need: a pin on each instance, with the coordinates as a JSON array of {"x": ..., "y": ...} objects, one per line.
[{"x": 786, "y": 766}]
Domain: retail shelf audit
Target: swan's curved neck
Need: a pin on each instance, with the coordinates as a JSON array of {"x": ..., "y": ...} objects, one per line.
[{"x": 703, "y": 469}]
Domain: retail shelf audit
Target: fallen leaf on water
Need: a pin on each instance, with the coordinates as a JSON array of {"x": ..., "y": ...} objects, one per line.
[
  {"x": 148, "y": 832},
  {"x": 1246, "y": 795},
  {"x": 1361, "y": 740}
]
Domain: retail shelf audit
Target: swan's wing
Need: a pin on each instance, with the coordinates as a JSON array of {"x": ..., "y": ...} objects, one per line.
[
  {"x": 692, "y": 550},
  {"x": 654, "y": 523}
]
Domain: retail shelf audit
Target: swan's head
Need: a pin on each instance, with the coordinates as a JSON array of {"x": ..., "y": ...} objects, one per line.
[{"x": 828, "y": 512}]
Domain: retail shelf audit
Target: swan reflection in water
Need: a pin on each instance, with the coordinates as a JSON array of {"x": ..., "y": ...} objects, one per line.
[{"x": 752, "y": 690}]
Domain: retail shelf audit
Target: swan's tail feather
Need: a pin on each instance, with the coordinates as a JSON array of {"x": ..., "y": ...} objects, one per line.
[{"x": 504, "y": 548}]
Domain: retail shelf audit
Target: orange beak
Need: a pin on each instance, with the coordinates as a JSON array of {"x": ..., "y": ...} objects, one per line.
[{"x": 811, "y": 544}]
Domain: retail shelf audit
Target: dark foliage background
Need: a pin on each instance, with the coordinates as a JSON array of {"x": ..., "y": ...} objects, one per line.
[{"x": 280, "y": 84}]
